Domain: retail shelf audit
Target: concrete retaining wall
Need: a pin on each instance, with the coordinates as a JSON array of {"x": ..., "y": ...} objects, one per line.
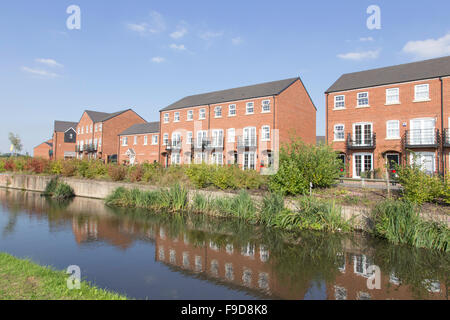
[{"x": 101, "y": 189}]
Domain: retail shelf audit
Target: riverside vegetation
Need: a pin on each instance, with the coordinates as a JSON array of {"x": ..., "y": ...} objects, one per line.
[{"x": 300, "y": 167}]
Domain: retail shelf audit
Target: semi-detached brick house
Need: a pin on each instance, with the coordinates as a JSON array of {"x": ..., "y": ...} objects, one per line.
[
  {"x": 237, "y": 126},
  {"x": 44, "y": 150},
  {"x": 139, "y": 144},
  {"x": 64, "y": 140},
  {"x": 383, "y": 116},
  {"x": 98, "y": 133}
]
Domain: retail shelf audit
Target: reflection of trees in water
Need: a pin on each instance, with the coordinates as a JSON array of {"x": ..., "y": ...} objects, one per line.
[{"x": 414, "y": 267}]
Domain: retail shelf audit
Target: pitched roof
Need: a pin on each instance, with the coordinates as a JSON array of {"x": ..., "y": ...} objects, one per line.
[
  {"x": 63, "y": 126},
  {"x": 141, "y": 128},
  {"x": 421, "y": 70},
  {"x": 103, "y": 116},
  {"x": 248, "y": 92}
]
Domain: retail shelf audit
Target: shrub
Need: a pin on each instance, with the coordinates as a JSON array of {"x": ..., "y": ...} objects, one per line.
[
  {"x": 417, "y": 186},
  {"x": 302, "y": 164},
  {"x": 63, "y": 191},
  {"x": 2, "y": 165},
  {"x": 37, "y": 165},
  {"x": 56, "y": 167},
  {"x": 9, "y": 165},
  {"x": 117, "y": 172},
  {"x": 69, "y": 168},
  {"x": 135, "y": 173},
  {"x": 51, "y": 187}
]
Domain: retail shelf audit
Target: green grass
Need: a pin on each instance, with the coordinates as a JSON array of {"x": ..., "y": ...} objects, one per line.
[
  {"x": 25, "y": 280},
  {"x": 400, "y": 223}
]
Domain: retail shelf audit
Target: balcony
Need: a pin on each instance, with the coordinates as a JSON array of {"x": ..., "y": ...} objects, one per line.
[
  {"x": 421, "y": 138},
  {"x": 200, "y": 145},
  {"x": 247, "y": 143},
  {"x": 366, "y": 142},
  {"x": 214, "y": 145},
  {"x": 446, "y": 138},
  {"x": 173, "y": 145}
]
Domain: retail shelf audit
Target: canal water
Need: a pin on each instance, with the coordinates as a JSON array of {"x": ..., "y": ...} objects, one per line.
[{"x": 160, "y": 256}]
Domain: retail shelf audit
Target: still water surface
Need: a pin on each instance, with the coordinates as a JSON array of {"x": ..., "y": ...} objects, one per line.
[{"x": 161, "y": 256}]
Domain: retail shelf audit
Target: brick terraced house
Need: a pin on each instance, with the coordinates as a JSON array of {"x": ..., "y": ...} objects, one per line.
[
  {"x": 242, "y": 126},
  {"x": 390, "y": 115},
  {"x": 98, "y": 133},
  {"x": 139, "y": 144},
  {"x": 64, "y": 140},
  {"x": 44, "y": 150}
]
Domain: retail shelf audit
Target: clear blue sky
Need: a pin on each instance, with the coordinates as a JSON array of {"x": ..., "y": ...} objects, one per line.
[{"x": 148, "y": 54}]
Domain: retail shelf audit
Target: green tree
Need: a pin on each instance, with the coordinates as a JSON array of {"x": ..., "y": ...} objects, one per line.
[{"x": 16, "y": 142}]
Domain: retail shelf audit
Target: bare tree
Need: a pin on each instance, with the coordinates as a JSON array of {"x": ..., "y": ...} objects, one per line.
[{"x": 15, "y": 142}]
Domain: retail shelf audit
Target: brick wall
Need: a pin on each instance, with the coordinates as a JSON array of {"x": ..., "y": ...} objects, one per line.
[
  {"x": 144, "y": 152},
  {"x": 42, "y": 150},
  {"x": 378, "y": 113}
]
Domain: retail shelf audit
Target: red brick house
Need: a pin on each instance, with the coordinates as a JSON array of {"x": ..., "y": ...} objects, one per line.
[
  {"x": 139, "y": 144},
  {"x": 44, "y": 150},
  {"x": 64, "y": 140},
  {"x": 98, "y": 133},
  {"x": 396, "y": 114},
  {"x": 243, "y": 126}
]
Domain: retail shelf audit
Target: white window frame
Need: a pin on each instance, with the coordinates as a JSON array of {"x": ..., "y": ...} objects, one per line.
[
  {"x": 216, "y": 114},
  {"x": 231, "y": 135},
  {"x": 215, "y": 135},
  {"x": 165, "y": 139},
  {"x": 135, "y": 138},
  {"x": 95, "y": 127},
  {"x": 154, "y": 137},
  {"x": 190, "y": 115},
  {"x": 358, "y": 100},
  {"x": 362, "y": 124},
  {"x": 217, "y": 158},
  {"x": 363, "y": 154},
  {"x": 389, "y": 94},
  {"x": 200, "y": 113},
  {"x": 166, "y": 118},
  {"x": 145, "y": 140},
  {"x": 336, "y": 102},
  {"x": 250, "y": 105},
  {"x": 416, "y": 92},
  {"x": 263, "y": 133},
  {"x": 265, "y": 103},
  {"x": 176, "y": 117},
  {"x": 190, "y": 137},
  {"x": 388, "y": 137},
  {"x": 232, "y": 107},
  {"x": 335, "y": 131},
  {"x": 100, "y": 127},
  {"x": 177, "y": 157},
  {"x": 125, "y": 141}
]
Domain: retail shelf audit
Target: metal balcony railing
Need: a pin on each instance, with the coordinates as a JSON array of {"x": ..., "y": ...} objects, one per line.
[
  {"x": 214, "y": 144},
  {"x": 422, "y": 138},
  {"x": 247, "y": 142},
  {"x": 173, "y": 145},
  {"x": 363, "y": 142},
  {"x": 200, "y": 145},
  {"x": 446, "y": 137}
]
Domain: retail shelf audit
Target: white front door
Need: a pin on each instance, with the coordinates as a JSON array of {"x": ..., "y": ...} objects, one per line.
[
  {"x": 362, "y": 162},
  {"x": 426, "y": 161},
  {"x": 249, "y": 160}
]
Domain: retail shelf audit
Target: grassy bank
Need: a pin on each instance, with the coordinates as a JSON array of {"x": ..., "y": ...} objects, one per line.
[
  {"x": 396, "y": 221},
  {"x": 310, "y": 213},
  {"x": 24, "y": 280}
]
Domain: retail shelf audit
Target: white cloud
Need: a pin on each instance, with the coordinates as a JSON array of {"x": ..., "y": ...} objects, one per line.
[
  {"x": 180, "y": 47},
  {"x": 363, "y": 55},
  {"x": 180, "y": 33},
  {"x": 50, "y": 62},
  {"x": 158, "y": 59},
  {"x": 429, "y": 48},
  {"x": 40, "y": 73},
  {"x": 208, "y": 35},
  {"x": 366, "y": 39},
  {"x": 237, "y": 41},
  {"x": 155, "y": 25}
]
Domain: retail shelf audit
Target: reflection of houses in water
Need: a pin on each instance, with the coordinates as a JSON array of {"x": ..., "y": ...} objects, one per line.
[
  {"x": 351, "y": 283},
  {"x": 246, "y": 267}
]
